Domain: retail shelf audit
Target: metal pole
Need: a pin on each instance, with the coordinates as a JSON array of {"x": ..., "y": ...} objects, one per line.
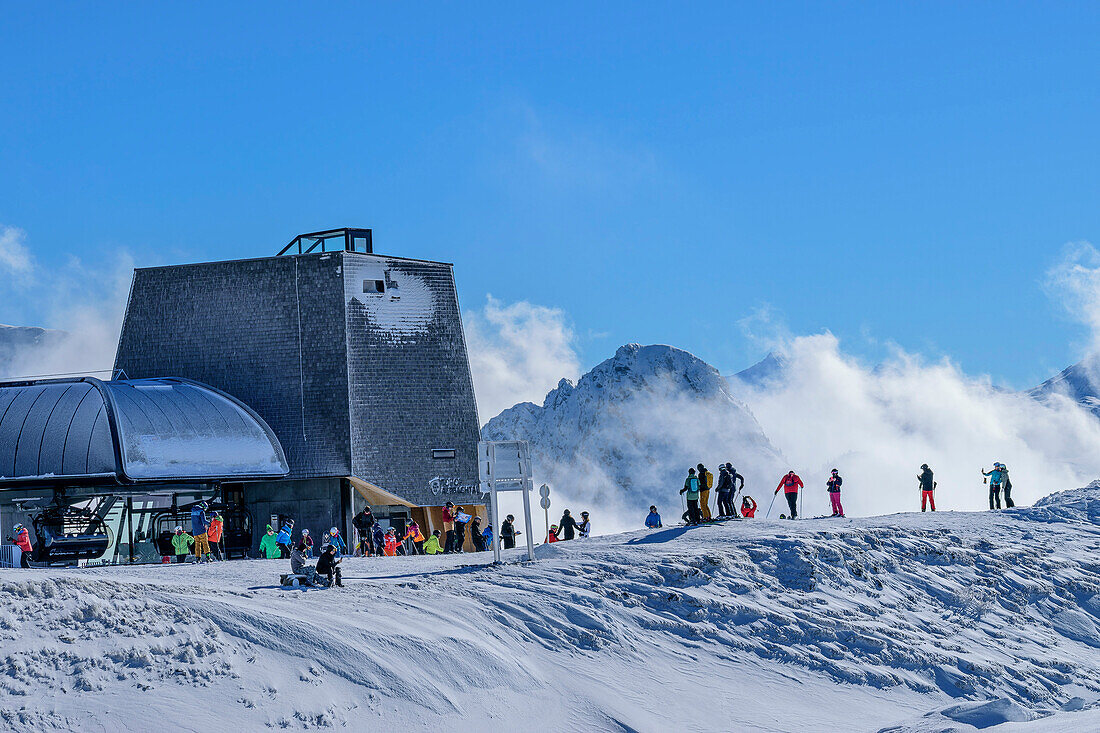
[
  {"x": 527, "y": 518},
  {"x": 130, "y": 525},
  {"x": 490, "y": 455},
  {"x": 546, "y": 513}
]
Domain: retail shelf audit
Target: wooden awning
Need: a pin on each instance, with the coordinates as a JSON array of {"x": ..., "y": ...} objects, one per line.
[{"x": 375, "y": 495}]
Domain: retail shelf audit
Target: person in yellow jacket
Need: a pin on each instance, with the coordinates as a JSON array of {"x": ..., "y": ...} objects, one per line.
[
  {"x": 432, "y": 545},
  {"x": 706, "y": 483}
]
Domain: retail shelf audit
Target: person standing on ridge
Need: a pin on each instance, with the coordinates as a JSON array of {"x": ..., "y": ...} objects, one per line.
[
  {"x": 748, "y": 507},
  {"x": 927, "y": 487},
  {"x": 995, "y": 478},
  {"x": 724, "y": 489},
  {"x": 691, "y": 488},
  {"x": 653, "y": 521},
  {"x": 734, "y": 478},
  {"x": 568, "y": 525},
  {"x": 1007, "y": 485},
  {"x": 833, "y": 486},
  {"x": 790, "y": 484},
  {"x": 706, "y": 483},
  {"x": 584, "y": 529}
]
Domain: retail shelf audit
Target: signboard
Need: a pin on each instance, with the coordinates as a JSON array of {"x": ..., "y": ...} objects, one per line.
[{"x": 506, "y": 466}]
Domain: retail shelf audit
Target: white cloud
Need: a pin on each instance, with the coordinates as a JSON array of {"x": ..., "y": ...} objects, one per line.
[
  {"x": 518, "y": 353},
  {"x": 1074, "y": 281},
  {"x": 15, "y": 258}
]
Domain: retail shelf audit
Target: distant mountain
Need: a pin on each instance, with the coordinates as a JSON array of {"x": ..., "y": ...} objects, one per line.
[
  {"x": 1080, "y": 383},
  {"x": 16, "y": 339},
  {"x": 769, "y": 370},
  {"x": 627, "y": 432}
]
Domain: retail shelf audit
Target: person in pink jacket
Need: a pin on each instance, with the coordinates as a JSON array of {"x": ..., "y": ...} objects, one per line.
[
  {"x": 22, "y": 540},
  {"x": 790, "y": 484}
]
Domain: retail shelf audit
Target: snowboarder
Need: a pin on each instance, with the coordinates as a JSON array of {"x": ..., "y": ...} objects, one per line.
[
  {"x": 995, "y": 478},
  {"x": 284, "y": 538},
  {"x": 508, "y": 532},
  {"x": 653, "y": 520},
  {"x": 413, "y": 534},
  {"x": 332, "y": 537},
  {"x": 927, "y": 487},
  {"x": 568, "y": 525},
  {"x": 461, "y": 520},
  {"x": 214, "y": 533},
  {"x": 363, "y": 523},
  {"x": 584, "y": 529},
  {"x": 199, "y": 527},
  {"x": 706, "y": 483},
  {"x": 552, "y": 537},
  {"x": 691, "y": 488},
  {"x": 22, "y": 540},
  {"x": 307, "y": 540},
  {"x": 833, "y": 487},
  {"x": 181, "y": 543},
  {"x": 328, "y": 566},
  {"x": 432, "y": 545},
  {"x": 449, "y": 526},
  {"x": 1007, "y": 486},
  {"x": 748, "y": 507},
  {"x": 268, "y": 547},
  {"x": 790, "y": 484}
]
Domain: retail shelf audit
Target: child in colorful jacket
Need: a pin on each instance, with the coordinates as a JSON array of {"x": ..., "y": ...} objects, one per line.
[
  {"x": 181, "y": 543},
  {"x": 390, "y": 544},
  {"x": 269, "y": 548}
]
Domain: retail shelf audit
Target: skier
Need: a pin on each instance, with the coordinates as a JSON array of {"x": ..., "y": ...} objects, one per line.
[
  {"x": 568, "y": 525},
  {"x": 584, "y": 529},
  {"x": 790, "y": 484},
  {"x": 995, "y": 478},
  {"x": 653, "y": 520},
  {"x": 378, "y": 538},
  {"x": 268, "y": 547},
  {"x": 308, "y": 542},
  {"x": 552, "y": 537},
  {"x": 181, "y": 543},
  {"x": 328, "y": 566},
  {"x": 735, "y": 477},
  {"x": 927, "y": 487},
  {"x": 389, "y": 545},
  {"x": 706, "y": 482},
  {"x": 363, "y": 522},
  {"x": 414, "y": 534},
  {"x": 22, "y": 540},
  {"x": 1007, "y": 487},
  {"x": 691, "y": 488},
  {"x": 727, "y": 489},
  {"x": 284, "y": 538},
  {"x": 333, "y": 538},
  {"x": 476, "y": 536},
  {"x": 432, "y": 545},
  {"x": 508, "y": 532},
  {"x": 199, "y": 527},
  {"x": 214, "y": 533},
  {"x": 833, "y": 486},
  {"x": 449, "y": 526},
  {"x": 461, "y": 520},
  {"x": 748, "y": 507}
]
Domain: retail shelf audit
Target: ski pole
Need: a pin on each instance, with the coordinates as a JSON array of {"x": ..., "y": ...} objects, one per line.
[{"x": 769, "y": 512}]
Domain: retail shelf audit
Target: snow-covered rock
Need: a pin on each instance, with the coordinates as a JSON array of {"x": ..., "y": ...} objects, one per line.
[
  {"x": 626, "y": 433},
  {"x": 16, "y": 339},
  {"x": 769, "y": 371},
  {"x": 1079, "y": 383}
]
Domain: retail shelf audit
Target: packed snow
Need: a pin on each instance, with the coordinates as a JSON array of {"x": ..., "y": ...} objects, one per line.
[{"x": 910, "y": 622}]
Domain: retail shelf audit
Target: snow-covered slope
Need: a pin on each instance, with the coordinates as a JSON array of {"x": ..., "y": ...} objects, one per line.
[
  {"x": 1079, "y": 383},
  {"x": 15, "y": 339},
  {"x": 768, "y": 371},
  {"x": 933, "y": 622},
  {"x": 627, "y": 432}
]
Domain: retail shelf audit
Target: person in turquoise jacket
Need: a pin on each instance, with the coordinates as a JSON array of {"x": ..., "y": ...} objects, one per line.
[
  {"x": 269, "y": 548},
  {"x": 691, "y": 488},
  {"x": 996, "y": 479}
]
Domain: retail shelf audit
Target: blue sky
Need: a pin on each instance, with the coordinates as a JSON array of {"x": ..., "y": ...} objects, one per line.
[{"x": 891, "y": 172}]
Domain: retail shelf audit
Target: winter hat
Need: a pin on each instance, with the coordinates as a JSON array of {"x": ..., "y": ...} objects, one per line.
[
  {"x": 269, "y": 529},
  {"x": 584, "y": 514},
  {"x": 729, "y": 466},
  {"x": 924, "y": 465}
]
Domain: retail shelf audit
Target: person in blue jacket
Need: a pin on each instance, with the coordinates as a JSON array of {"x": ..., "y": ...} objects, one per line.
[
  {"x": 379, "y": 536},
  {"x": 284, "y": 538},
  {"x": 199, "y": 526},
  {"x": 653, "y": 521}
]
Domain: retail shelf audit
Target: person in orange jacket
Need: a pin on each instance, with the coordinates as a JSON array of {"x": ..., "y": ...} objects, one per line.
[
  {"x": 214, "y": 534},
  {"x": 790, "y": 484},
  {"x": 416, "y": 536},
  {"x": 389, "y": 545}
]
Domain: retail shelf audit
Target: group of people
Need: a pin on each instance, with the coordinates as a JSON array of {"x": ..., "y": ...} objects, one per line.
[
  {"x": 697, "y": 488},
  {"x": 204, "y": 542},
  {"x": 279, "y": 545}
]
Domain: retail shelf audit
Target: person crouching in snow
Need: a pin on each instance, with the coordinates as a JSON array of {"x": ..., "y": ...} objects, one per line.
[
  {"x": 748, "y": 507},
  {"x": 298, "y": 565},
  {"x": 833, "y": 486},
  {"x": 389, "y": 544},
  {"x": 653, "y": 521},
  {"x": 181, "y": 543},
  {"x": 307, "y": 541},
  {"x": 22, "y": 540},
  {"x": 328, "y": 567},
  {"x": 553, "y": 536},
  {"x": 432, "y": 545},
  {"x": 269, "y": 548}
]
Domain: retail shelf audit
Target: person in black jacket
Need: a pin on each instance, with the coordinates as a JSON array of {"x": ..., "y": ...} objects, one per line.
[
  {"x": 364, "y": 525},
  {"x": 725, "y": 493},
  {"x": 508, "y": 532},
  {"x": 476, "y": 536},
  {"x": 568, "y": 525},
  {"x": 328, "y": 566},
  {"x": 927, "y": 487}
]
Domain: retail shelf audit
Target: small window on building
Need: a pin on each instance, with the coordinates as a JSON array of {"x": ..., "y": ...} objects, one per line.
[
  {"x": 439, "y": 454},
  {"x": 374, "y": 286}
]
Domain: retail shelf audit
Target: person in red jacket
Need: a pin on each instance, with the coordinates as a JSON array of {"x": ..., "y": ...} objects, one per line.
[
  {"x": 790, "y": 484},
  {"x": 22, "y": 540},
  {"x": 748, "y": 507},
  {"x": 553, "y": 536}
]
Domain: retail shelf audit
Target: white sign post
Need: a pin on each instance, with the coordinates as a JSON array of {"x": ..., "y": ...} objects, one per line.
[
  {"x": 544, "y": 492},
  {"x": 506, "y": 466}
]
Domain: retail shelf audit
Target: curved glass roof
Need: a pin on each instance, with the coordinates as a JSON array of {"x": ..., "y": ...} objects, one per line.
[{"x": 131, "y": 431}]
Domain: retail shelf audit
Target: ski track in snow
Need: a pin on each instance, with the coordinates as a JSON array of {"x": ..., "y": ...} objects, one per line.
[{"x": 910, "y": 622}]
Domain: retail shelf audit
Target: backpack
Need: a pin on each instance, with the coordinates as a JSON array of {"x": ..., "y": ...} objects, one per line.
[{"x": 708, "y": 479}]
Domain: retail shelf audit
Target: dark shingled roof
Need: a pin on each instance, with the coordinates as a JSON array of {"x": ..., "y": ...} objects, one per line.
[{"x": 75, "y": 431}]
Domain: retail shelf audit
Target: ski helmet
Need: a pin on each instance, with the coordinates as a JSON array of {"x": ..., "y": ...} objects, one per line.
[
  {"x": 836, "y": 470},
  {"x": 18, "y": 528},
  {"x": 178, "y": 529},
  {"x": 305, "y": 531},
  {"x": 924, "y": 466},
  {"x": 334, "y": 531},
  {"x": 584, "y": 514}
]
